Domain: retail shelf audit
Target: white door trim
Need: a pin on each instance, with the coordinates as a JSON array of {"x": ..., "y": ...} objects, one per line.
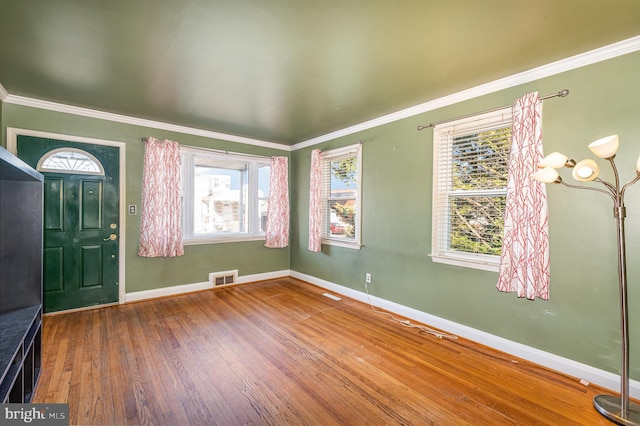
[{"x": 12, "y": 145}]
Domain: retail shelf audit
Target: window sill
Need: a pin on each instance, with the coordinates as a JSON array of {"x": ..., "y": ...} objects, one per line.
[
  {"x": 234, "y": 238},
  {"x": 485, "y": 263},
  {"x": 341, "y": 243}
]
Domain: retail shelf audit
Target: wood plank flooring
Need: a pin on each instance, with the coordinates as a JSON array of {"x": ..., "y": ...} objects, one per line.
[{"x": 279, "y": 353}]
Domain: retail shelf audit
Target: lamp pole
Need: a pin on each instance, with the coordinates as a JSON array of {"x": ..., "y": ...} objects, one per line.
[
  {"x": 620, "y": 410},
  {"x": 617, "y": 409}
]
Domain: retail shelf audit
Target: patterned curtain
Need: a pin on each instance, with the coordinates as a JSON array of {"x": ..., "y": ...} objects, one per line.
[
  {"x": 315, "y": 202},
  {"x": 524, "y": 264},
  {"x": 277, "y": 227},
  {"x": 161, "y": 220}
]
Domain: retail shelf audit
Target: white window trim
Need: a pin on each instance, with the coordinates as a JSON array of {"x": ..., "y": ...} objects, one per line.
[
  {"x": 357, "y": 241},
  {"x": 187, "y": 156},
  {"x": 438, "y": 254}
]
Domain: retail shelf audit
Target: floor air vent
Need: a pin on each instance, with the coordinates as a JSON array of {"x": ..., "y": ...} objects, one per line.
[
  {"x": 223, "y": 278},
  {"x": 331, "y": 296}
]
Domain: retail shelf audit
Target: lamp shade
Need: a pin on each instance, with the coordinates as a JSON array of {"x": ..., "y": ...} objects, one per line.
[
  {"x": 546, "y": 175},
  {"x": 555, "y": 160},
  {"x": 605, "y": 147},
  {"x": 585, "y": 171}
]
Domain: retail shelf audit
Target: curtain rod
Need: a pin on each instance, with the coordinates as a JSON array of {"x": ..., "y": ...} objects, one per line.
[
  {"x": 360, "y": 142},
  {"x": 218, "y": 151},
  {"x": 562, "y": 94}
]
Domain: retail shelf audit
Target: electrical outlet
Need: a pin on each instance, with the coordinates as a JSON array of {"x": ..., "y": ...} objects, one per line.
[{"x": 367, "y": 277}]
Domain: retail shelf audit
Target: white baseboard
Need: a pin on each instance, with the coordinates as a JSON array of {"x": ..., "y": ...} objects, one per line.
[
  {"x": 188, "y": 288},
  {"x": 563, "y": 365},
  {"x": 264, "y": 276},
  {"x": 167, "y": 291}
]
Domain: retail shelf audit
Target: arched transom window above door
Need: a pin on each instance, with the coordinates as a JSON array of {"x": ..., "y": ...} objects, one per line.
[{"x": 70, "y": 160}]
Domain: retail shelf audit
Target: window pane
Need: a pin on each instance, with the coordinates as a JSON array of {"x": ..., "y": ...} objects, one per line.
[
  {"x": 476, "y": 224},
  {"x": 341, "y": 199},
  {"x": 344, "y": 176},
  {"x": 342, "y": 219},
  {"x": 225, "y": 196},
  {"x": 220, "y": 197},
  {"x": 70, "y": 160},
  {"x": 264, "y": 174},
  {"x": 471, "y": 157},
  {"x": 480, "y": 160}
]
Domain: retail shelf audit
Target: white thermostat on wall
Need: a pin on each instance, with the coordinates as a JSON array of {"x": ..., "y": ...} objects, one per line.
[{"x": 133, "y": 209}]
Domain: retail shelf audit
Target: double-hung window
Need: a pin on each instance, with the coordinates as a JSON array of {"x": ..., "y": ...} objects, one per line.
[
  {"x": 341, "y": 193},
  {"x": 224, "y": 196},
  {"x": 470, "y": 170}
]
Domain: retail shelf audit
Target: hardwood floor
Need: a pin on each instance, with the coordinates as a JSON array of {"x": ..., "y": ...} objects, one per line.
[{"x": 279, "y": 353}]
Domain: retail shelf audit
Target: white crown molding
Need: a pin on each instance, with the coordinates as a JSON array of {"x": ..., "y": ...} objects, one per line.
[
  {"x": 567, "y": 64},
  {"x": 597, "y": 55},
  {"x": 3, "y": 93},
  {"x": 91, "y": 113}
]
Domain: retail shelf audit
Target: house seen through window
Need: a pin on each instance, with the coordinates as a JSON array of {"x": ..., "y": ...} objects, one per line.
[{"x": 225, "y": 196}]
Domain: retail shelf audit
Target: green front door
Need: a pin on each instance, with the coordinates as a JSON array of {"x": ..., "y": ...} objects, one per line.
[{"x": 81, "y": 220}]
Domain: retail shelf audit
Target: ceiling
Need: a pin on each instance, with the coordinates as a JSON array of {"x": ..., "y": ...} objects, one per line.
[{"x": 286, "y": 71}]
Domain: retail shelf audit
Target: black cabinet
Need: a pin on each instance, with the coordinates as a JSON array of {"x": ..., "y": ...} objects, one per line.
[{"x": 21, "y": 209}]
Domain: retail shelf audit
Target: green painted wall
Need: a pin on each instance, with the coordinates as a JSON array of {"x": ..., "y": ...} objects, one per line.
[
  {"x": 581, "y": 319},
  {"x": 143, "y": 273}
]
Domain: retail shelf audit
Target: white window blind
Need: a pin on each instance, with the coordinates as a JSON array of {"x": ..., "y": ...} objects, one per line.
[
  {"x": 470, "y": 184},
  {"x": 341, "y": 196}
]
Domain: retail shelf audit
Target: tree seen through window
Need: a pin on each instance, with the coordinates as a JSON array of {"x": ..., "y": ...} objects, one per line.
[
  {"x": 477, "y": 195},
  {"x": 343, "y": 190}
]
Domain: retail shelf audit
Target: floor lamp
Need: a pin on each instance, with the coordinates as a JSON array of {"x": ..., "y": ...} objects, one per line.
[{"x": 619, "y": 410}]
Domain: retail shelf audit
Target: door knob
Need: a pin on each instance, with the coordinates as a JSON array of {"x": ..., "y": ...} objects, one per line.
[{"x": 111, "y": 237}]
